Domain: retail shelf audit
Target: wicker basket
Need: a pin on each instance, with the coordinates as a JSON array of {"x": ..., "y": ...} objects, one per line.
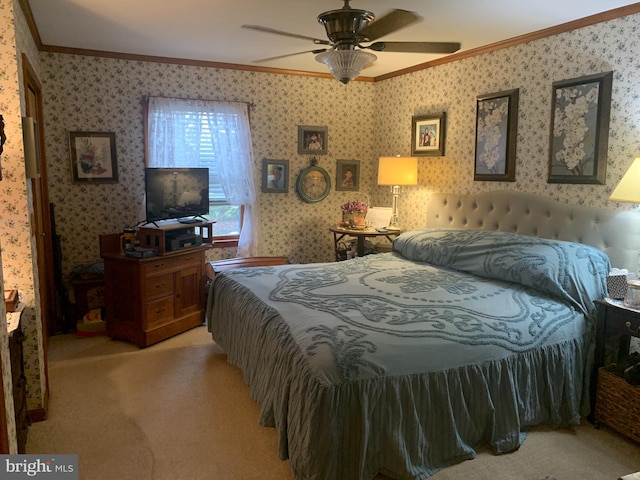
[{"x": 618, "y": 404}]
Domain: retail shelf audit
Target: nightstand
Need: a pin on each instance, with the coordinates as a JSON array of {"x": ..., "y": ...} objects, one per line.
[
  {"x": 615, "y": 402},
  {"x": 615, "y": 327},
  {"x": 340, "y": 232}
]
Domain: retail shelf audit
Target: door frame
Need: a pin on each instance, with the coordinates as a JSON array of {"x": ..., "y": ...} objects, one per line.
[{"x": 44, "y": 239}]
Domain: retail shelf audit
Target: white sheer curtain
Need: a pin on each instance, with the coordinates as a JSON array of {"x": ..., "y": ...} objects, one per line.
[{"x": 174, "y": 127}]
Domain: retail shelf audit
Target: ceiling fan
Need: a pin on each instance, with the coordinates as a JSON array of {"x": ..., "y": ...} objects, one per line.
[{"x": 348, "y": 28}]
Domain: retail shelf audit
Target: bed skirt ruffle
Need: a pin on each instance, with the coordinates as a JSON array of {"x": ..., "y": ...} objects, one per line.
[{"x": 406, "y": 427}]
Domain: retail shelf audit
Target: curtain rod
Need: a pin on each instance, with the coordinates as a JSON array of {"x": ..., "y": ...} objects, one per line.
[{"x": 251, "y": 105}]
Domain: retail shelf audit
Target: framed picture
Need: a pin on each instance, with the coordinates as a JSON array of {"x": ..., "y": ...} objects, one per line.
[
  {"x": 93, "y": 157},
  {"x": 427, "y": 134},
  {"x": 496, "y": 136},
  {"x": 348, "y": 175},
  {"x": 580, "y": 129},
  {"x": 275, "y": 176},
  {"x": 312, "y": 140}
]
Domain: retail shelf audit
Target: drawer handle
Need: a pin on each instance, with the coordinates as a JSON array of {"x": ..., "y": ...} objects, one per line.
[
  {"x": 160, "y": 310},
  {"x": 160, "y": 285},
  {"x": 628, "y": 324}
]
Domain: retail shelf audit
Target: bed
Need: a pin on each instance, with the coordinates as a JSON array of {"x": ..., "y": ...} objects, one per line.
[{"x": 468, "y": 333}]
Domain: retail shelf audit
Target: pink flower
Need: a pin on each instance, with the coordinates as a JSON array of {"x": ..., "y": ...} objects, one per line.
[{"x": 354, "y": 206}]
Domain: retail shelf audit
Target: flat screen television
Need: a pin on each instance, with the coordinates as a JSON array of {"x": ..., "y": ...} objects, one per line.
[{"x": 176, "y": 193}]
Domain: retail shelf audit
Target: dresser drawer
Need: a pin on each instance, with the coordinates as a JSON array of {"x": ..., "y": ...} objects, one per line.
[
  {"x": 159, "y": 312},
  {"x": 624, "y": 322},
  {"x": 159, "y": 286},
  {"x": 160, "y": 265}
]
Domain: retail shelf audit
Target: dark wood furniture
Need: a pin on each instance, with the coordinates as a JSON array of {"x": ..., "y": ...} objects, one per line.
[
  {"x": 18, "y": 378},
  {"x": 615, "y": 402},
  {"x": 151, "y": 299},
  {"x": 616, "y": 325},
  {"x": 339, "y": 233},
  {"x": 88, "y": 294}
]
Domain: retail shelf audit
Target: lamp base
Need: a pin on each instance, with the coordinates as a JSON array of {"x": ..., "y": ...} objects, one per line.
[{"x": 394, "y": 225}]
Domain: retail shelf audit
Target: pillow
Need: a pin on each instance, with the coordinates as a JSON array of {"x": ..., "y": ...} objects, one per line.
[{"x": 571, "y": 271}]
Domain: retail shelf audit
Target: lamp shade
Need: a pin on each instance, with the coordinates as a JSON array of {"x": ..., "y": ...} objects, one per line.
[
  {"x": 397, "y": 171},
  {"x": 628, "y": 190},
  {"x": 345, "y": 65}
]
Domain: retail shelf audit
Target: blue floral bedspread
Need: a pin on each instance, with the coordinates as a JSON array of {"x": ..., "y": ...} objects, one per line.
[{"x": 405, "y": 362}]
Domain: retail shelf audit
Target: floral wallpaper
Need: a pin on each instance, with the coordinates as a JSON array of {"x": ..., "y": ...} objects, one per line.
[
  {"x": 106, "y": 95},
  {"x": 15, "y": 253},
  {"x": 532, "y": 68},
  {"x": 364, "y": 120}
]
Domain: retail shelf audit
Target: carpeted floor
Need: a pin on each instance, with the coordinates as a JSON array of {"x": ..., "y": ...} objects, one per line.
[{"x": 178, "y": 411}]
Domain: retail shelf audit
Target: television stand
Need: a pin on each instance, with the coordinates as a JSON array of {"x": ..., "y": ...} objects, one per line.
[
  {"x": 172, "y": 237},
  {"x": 150, "y": 299}
]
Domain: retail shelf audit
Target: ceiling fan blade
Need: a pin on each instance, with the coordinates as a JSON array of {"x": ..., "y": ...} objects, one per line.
[
  {"x": 290, "y": 55},
  {"x": 391, "y": 22},
  {"x": 259, "y": 28},
  {"x": 415, "y": 47}
]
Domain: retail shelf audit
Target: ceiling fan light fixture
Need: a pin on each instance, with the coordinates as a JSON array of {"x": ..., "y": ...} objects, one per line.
[{"x": 345, "y": 65}]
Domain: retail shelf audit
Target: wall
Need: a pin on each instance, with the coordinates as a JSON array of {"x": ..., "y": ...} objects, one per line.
[
  {"x": 99, "y": 94},
  {"x": 15, "y": 233},
  {"x": 364, "y": 120},
  {"x": 532, "y": 68}
]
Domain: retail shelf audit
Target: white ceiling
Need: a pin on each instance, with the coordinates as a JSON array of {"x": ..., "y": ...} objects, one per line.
[{"x": 210, "y": 30}]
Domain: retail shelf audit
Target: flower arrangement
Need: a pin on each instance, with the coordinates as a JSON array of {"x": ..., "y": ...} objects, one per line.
[
  {"x": 354, "y": 206},
  {"x": 353, "y": 214}
]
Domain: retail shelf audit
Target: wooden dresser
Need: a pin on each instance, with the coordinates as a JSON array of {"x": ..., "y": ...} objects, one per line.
[
  {"x": 18, "y": 377},
  {"x": 148, "y": 300}
]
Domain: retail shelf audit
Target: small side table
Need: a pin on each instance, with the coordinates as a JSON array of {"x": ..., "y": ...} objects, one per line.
[
  {"x": 88, "y": 294},
  {"x": 340, "y": 232},
  {"x": 615, "y": 327}
]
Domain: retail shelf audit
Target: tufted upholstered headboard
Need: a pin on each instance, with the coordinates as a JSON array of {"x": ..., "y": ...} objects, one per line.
[{"x": 617, "y": 233}]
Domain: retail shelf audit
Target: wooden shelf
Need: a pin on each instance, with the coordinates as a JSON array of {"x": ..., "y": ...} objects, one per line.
[{"x": 174, "y": 236}]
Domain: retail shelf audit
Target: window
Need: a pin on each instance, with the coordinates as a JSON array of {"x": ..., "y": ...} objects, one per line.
[
  {"x": 199, "y": 133},
  {"x": 228, "y": 217}
]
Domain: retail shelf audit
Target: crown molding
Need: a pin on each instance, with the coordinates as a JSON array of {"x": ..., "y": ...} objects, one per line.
[{"x": 529, "y": 37}]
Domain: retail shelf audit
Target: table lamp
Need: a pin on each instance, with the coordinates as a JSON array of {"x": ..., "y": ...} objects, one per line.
[
  {"x": 396, "y": 172},
  {"x": 628, "y": 190}
]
